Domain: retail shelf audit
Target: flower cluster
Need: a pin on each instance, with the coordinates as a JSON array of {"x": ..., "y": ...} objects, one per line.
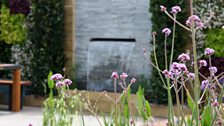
[
  {"x": 202, "y": 63},
  {"x": 191, "y": 76},
  {"x": 123, "y": 76},
  {"x": 175, "y": 9},
  {"x": 209, "y": 51},
  {"x": 213, "y": 70},
  {"x": 176, "y": 69},
  {"x": 204, "y": 84},
  {"x": 162, "y": 8},
  {"x": 166, "y": 31},
  {"x": 183, "y": 57},
  {"x": 194, "y": 20},
  {"x": 60, "y": 81}
]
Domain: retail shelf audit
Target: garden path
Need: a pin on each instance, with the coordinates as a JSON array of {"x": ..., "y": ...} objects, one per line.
[{"x": 33, "y": 115}]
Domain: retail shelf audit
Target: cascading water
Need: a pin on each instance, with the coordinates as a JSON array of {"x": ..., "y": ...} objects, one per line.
[{"x": 104, "y": 57}]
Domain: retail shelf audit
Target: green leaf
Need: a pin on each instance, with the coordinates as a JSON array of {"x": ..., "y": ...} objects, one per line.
[
  {"x": 190, "y": 101},
  {"x": 143, "y": 105},
  {"x": 126, "y": 112},
  {"x": 207, "y": 116},
  {"x": 148, "y": 109},
  {"x": 49, "y": 81}
]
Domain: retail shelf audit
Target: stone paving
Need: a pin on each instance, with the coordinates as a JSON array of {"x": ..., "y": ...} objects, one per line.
[{"x": 33, "y": 115}]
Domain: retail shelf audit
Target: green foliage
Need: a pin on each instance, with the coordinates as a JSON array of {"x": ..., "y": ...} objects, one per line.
[
  {"x": 5, "y": 52},
  {"x": 215, "y": 39},
  {"x": 58, "y": 110},
  {"x": 143, "y": 105},
  {"x": 46, "y": 32},
  {"x": 190, "y": 101},
  {"x": 50, "y": 84},
  {"x": 12, "y": 27},
  {"x": 160, "y": 20},
  {"x": 207, "y": 116},
  {"x": 5, "y": 56}
]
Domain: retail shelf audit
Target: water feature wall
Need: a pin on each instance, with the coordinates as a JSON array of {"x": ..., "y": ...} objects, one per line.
[
  {"x": 116, "y": 19},
  {"x": 103, "y": 58}
]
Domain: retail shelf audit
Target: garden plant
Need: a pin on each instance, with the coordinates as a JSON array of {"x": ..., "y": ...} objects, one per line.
[
  {"x": 205, "y": 100},
  {"x": 181, "y": 75},
  {"x": 61, "y": 109}
]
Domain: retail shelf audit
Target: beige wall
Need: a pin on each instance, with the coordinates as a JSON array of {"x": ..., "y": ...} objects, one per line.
[{"x": 69, "y": 35}]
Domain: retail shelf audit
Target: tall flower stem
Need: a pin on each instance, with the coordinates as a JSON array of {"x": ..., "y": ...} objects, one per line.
[
  {"x": 115, "y": 102},
  {"x": 170, "y": 104},
  {"x": 174, "y": 19},
  {"x": 196, "y": 83},
  {"x": 165, "y": 53},
  {"x": 155, "y": 58},
  {"x": 173, "y": 41},
  {"x": 167, "y": 84}
]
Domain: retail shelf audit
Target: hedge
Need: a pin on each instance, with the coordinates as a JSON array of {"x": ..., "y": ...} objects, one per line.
[{"x": 46, "y": 32}]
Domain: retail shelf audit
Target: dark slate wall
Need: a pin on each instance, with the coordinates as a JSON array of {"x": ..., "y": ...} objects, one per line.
[{"x": 112, "y": 19}]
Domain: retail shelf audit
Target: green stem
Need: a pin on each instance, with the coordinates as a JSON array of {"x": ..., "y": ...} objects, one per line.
[
  {"x": 173, "y": 40},
  {"x": 170, "y": 105},
  {"x": 165, "y": 53},
  {"x": 115, "y": 102},
  {"x": 174, "y": 19},
  {"x": 170, "y": 111},
  {"x": 156, "y": 61},
  {"x": 178, "y": 103},
  {"x": 196, "y": 84}
]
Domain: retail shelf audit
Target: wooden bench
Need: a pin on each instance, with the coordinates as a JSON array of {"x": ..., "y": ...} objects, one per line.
[{"x": 10, "y": 83}]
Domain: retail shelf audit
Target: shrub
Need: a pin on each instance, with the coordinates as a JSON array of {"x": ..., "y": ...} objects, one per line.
[
  {"x": 215, "y": 39},
  {"x": 12, "y": 28},
  {"x": 214, "y": 18},
  {"x": 46, "y": 34},
  {"x": 5, "y": 52}
]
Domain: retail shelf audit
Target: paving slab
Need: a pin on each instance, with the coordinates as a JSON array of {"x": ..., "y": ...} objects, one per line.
[{"x": 33, "y": 115}]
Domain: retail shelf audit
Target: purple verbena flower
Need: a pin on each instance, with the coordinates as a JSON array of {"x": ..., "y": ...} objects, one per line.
[
  {"x": 59, "y": 84},
  {"x": 175, "y": 66},
  {"x": 154, "y": 33},
  {"x": 204, "y": 84},
  {"x": 183, "y": 57},
  {"x": 202, "y": 63},
  {"x": 56, "y": 77},
  {"x": 213, "y": 70},
  {"x": 115, "y": 75},
  {"x": 167, "y": 73},
  {"x": 166, "y": 31},
  {"x": 133, "y": 80},
  {"x": 199, "y": 25},
  {"x": 123, "y": 76},
  {"x": 175, "y": 9},
  {"x": 162, "y": 8},
  {"x": 67, "y": 81},
  {"x": 182, "y": 67},
  {"x": 215, "y": 103},
  {"x": 209, "y": 51},
  {"x": 194, "y": 19},
  {"x": 191, "y": 76}
]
